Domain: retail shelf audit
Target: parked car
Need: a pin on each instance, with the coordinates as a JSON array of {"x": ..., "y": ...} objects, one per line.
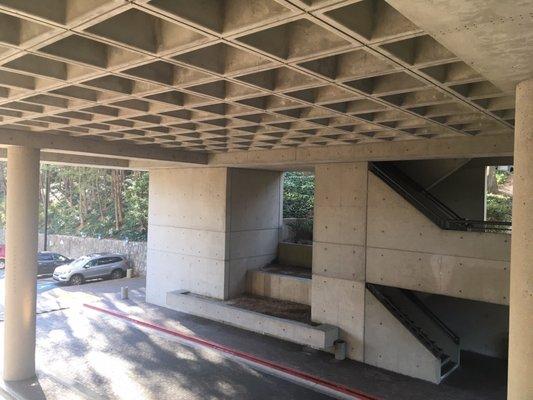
[
  {"x": 2, "y": 256},
  {"x": 48, "y": 261},
  {"x": 92, "y": 266}
]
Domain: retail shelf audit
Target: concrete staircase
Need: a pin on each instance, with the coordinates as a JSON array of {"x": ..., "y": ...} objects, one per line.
[{"x": 422, "y": 323}]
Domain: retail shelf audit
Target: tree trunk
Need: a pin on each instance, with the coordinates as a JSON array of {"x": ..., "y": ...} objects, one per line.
[
  {"x": 117, "y": 177},
  {"x": 492, "y": 184}
]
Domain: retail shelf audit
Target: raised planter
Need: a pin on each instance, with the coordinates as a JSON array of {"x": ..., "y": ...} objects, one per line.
[
  {"x": 279, "y": 286},
  {"x": 299, "y": 255},
  {"x": 319, "y": 337}
]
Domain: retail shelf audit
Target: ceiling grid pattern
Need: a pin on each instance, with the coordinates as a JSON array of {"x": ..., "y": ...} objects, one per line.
[{"x": 228, "y": 75}]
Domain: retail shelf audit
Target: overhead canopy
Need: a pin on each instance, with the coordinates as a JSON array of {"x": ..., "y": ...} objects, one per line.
[{"x": 176, "y": 78}]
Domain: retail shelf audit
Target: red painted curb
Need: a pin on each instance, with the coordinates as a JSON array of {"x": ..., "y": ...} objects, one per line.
[{"x": 246, "y": 356}]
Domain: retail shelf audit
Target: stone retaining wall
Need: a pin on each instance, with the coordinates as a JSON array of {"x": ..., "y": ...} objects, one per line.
[{"x": 76, "y": 246}]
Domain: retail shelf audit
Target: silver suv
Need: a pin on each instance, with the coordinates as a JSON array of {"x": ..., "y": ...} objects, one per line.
[{"x": 92, "y": 266}]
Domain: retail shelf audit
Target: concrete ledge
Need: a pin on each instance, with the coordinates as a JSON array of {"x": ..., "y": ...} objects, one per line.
[
  {"x": 278, "y": 286},
  {"x": 319, "y": 337},
  {"x": 299, "y": 255}
]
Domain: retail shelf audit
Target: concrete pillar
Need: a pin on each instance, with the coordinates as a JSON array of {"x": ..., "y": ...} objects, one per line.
[
  {"x": 207, "y": 227},
  {"x": 520, "y": 382},
  {"x": 338, "y": 285},
  {"x": 21, "y": 262}
]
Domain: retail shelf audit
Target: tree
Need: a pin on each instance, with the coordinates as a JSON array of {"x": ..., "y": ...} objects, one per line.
[{"x": 92, "y": 202}]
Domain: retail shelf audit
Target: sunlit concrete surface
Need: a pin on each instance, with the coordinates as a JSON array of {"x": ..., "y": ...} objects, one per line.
[
  {"x": 82, "y": 354},
  {"x": 85, "y": 355}
]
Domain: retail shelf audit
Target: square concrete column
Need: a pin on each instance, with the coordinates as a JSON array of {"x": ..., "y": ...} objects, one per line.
[
  {"x": 520, "y": 382},
  {"x": 21, "y": 262},
  {"x": 338, "y": 285},
  {"x": 207, "y": 227}
]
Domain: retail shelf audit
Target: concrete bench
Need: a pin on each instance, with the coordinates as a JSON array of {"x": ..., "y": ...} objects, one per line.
[{"x": 319, "y": 337}]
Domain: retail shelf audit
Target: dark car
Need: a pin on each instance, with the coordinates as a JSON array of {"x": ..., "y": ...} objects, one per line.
[{"x": 49, "y": 261}]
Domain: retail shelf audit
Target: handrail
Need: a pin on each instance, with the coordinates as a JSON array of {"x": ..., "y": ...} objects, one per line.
[
  {"x": 426, "y": 310},
  {"x": 429, "y": 205},
  {"x": 389, "y": 305},
  {"x": 411, "y": 190}
]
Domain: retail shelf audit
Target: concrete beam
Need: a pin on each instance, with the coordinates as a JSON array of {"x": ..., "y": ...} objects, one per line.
[
  {"x": 79, "y": 160},
  {"x": 81, "y": 145},
  {"x": 461, "y": 147}
]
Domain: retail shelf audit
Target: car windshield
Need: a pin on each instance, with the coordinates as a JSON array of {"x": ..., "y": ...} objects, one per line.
[{"x": 80, "y": 262}]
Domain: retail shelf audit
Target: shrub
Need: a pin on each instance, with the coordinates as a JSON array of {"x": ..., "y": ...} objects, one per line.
[
  {"x": 298, "y": 194},
  {"x": 499, "y": 207},
  {"x": 302, "y": 230}
]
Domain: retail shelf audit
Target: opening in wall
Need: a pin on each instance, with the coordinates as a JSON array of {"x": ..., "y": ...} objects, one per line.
[
  {"x": 298, "y": 206},
  {"x": 499, "y": 193}
]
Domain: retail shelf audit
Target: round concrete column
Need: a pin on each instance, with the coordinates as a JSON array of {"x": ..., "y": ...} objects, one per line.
[
  {"x": 520, "y": 382},
  {"x": 22, "y": 213}
]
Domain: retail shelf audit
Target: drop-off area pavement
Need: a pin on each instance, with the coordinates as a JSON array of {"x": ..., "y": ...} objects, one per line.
[{"x": 86, "y": 354}]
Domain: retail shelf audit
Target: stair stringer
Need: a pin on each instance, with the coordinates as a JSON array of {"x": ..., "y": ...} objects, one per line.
[{"x": 390, "y": 345}]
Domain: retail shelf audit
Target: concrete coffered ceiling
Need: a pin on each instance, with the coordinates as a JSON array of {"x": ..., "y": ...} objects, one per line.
[{"x": 216, "y": 76}]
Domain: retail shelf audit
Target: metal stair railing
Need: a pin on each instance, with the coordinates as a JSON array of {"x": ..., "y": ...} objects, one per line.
[
  {"x": 429, "y": 205},
  {"x": 407, "y": 322},
  {"x": 430, "y": 314}
]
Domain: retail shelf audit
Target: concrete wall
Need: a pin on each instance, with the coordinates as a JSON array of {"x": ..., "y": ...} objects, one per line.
[
  {"x": 207, "y": 227},
  {"x": 278, "y": 286},
  {"x": 187, "y": 229},
  {"x": 389, "y": 345},
  {"x": 458, "y": 183},
  {"x": 407, "y": 250},
  {"x": 299, "y": 255},
  {"x": 464, "y": 192},
  {"x": 338, "y": 288},
  {"x": 482, "y": 327},
  {"x": 255, "y": 220}
]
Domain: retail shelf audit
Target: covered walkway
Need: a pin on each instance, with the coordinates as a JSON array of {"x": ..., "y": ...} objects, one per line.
[{"x": 216, "y": 99}]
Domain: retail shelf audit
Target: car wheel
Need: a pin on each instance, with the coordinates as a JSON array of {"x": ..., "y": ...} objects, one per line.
[
  {"x": 76, "y": 280},
  {"x": 117, "y": 274}
]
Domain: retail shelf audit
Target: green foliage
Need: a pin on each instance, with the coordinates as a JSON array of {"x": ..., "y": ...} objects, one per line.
[
  {"x": 501, "y": 177},
  {"x": 136, "y": 213},
  {"x": 499, "y": 207},
  {"x": 298, "y": 194},
  {"x": 302, "y": 229}
]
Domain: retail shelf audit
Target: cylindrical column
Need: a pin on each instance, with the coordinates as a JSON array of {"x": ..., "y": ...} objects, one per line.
[
  {"x": 520, "y": 382},
  {"x": 22, "y": 215}
]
